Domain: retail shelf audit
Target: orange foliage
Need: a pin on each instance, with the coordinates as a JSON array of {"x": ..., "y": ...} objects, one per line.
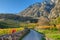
[
  {"x": 58, "y": 26},
  {"x": 44, "y": 27}
]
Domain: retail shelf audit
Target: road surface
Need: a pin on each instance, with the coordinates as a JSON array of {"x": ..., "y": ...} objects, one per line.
[{"x": 33, "y": 35}]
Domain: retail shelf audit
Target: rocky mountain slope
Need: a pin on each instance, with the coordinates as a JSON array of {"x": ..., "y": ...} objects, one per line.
[
  {"x": 55, "y": 12},
  {"x": 38, "y": 9},
  {"x": 42, "y": 11}
]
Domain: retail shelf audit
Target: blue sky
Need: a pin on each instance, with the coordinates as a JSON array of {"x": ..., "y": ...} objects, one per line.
[{"x": 15, "y": 6}]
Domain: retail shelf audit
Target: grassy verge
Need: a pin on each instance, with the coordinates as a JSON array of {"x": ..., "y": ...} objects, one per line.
[{"x": 53, "y": 34}]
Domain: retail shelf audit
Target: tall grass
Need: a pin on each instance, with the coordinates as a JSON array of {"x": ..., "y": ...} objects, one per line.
[{"x": 52, "y": 34}]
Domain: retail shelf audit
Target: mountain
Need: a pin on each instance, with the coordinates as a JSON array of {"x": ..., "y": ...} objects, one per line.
[
  {"x": 40, "y": 11},
  {"x": 37, "y": 12},
  {"x": 55, "y": 12}
]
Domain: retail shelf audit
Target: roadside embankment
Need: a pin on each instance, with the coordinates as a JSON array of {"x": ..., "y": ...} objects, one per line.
[{"x": 15, "y": 36}]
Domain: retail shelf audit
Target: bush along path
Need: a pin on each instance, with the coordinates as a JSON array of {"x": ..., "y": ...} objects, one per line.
[{"x": 15, "y": 36}]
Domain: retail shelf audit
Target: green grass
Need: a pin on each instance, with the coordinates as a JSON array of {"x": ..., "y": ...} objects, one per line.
[{"x": 53, "y": 34}]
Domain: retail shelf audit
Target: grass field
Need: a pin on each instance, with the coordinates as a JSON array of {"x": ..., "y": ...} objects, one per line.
[
  {"x": 9, "y": 30},
  {"x": 52, "y": 34},
  {"x": 28, "y": 25}
]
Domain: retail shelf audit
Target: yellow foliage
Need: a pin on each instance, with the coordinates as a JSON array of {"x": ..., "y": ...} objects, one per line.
[{"x": 9, "y": 30}]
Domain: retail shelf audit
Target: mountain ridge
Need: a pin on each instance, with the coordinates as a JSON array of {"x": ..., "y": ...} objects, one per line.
[{"x": 37, "y": 10}]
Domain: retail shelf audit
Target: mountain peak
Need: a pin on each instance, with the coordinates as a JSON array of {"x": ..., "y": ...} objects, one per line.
[
  {"x": 37, "y": 9},
  {"x": 36, "y": 4}
]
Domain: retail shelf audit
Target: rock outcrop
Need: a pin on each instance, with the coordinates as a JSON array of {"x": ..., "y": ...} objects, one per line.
[{"x": 55, "y": 12}]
